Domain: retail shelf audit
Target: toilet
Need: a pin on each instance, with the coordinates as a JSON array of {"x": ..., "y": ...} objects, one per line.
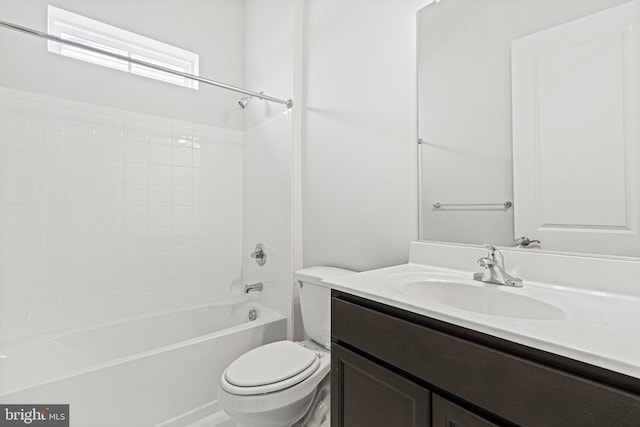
[{"x": 286, "y": 383}]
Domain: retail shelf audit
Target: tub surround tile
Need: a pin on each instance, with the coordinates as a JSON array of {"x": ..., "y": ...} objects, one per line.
[
  {"x": 98, "y": 213},
  {"x": 266, "y": 207},
  {"x": 107, "y": 170},
  {"x": 160, "y": 154}
]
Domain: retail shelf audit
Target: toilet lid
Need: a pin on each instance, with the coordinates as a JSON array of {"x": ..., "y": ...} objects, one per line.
[{"x": 269, "y": 364}]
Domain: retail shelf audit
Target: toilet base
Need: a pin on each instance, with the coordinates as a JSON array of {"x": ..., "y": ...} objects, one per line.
[
  {"x": 273, "y": 418},
  {"x": 319, "y": 414},
  {"x": 305, "y": 404}
]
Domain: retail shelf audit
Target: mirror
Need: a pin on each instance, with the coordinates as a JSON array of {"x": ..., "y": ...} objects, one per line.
[{"x": 526, "y": 123}]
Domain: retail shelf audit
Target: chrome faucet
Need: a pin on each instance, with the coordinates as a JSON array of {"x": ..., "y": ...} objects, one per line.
[
  {"x": 494, "y": 269},
  {"x": 252, "y": 287}
]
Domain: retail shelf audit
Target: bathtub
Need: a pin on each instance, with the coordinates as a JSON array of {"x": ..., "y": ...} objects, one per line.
[{"x": 160, "y": 370}]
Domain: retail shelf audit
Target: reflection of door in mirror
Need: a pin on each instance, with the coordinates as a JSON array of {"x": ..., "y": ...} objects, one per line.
[
  {"x": 465, "y": 121},
  {"x": 576, "y": 150}
]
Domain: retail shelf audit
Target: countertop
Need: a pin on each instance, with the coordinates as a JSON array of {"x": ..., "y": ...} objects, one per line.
[{"x": 599, "y": 328}]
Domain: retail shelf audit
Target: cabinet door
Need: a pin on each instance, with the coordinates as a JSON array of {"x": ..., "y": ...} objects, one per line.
[
  {"x": 448, "y": 414},
  {"x": 364, "y": 394}
]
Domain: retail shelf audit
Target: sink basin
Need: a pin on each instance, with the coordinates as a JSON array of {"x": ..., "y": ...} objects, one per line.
[{"x": 483, "y": 299}]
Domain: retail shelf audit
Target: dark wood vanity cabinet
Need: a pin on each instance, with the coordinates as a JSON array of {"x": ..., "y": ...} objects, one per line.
[
  {"x": 372, "y": 396},
  {"x": 392, "y": 368},
  {"x": 448, "y": 414}
]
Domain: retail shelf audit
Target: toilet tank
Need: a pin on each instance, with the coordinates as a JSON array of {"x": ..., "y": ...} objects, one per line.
[{"x": 315, "y": 301}]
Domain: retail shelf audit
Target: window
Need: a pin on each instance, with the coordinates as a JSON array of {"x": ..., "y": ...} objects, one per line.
[{"x": 70, "y": 26}]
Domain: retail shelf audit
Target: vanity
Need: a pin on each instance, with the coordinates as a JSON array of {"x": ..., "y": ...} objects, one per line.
[
  {"x": 514, "y": 100},
  {"x": 408, "y": 351}
]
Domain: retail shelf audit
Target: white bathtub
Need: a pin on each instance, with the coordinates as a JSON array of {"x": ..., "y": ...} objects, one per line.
[{"x": 158, "y": 370}]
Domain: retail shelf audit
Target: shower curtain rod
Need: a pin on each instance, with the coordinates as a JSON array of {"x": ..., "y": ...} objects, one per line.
[{"x": 11, "y": 26}]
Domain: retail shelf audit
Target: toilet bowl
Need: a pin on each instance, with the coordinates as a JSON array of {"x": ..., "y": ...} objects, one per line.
[
  {"x": 282, "y": 392},
  {"x": 282, "y": 383}
]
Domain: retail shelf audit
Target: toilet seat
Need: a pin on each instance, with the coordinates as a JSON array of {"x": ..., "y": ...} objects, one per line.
[{"x": 269, "y": 368}]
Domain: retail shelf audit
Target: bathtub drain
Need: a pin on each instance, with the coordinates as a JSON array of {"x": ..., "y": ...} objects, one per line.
[{"x": 253, "y": 314}]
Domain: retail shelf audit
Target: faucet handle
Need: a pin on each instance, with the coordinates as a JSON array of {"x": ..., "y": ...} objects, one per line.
[
  {"x": 491, "y": 252},
  {"x": 486, "y": 262}
]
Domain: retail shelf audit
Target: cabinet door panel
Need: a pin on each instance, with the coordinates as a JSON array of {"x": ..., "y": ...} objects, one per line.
[
  {"x": 365, "y": 394},
  {"x": 448, "y": 414}
]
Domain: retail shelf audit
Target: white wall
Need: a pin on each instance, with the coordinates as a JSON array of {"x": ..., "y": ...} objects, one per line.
[
  {"x": 214, "y": 29},
  {"x": 360, "y": 182},
  {"x": 270, "y": 40},
  {"x": 359, "y": 164}
]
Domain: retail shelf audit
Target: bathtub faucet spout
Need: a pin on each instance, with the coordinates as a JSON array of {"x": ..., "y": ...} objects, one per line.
[{"x": 252, "y": 287}]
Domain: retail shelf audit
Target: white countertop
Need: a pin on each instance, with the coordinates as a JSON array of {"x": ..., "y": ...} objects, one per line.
[{"x": 597, "y": 327}]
